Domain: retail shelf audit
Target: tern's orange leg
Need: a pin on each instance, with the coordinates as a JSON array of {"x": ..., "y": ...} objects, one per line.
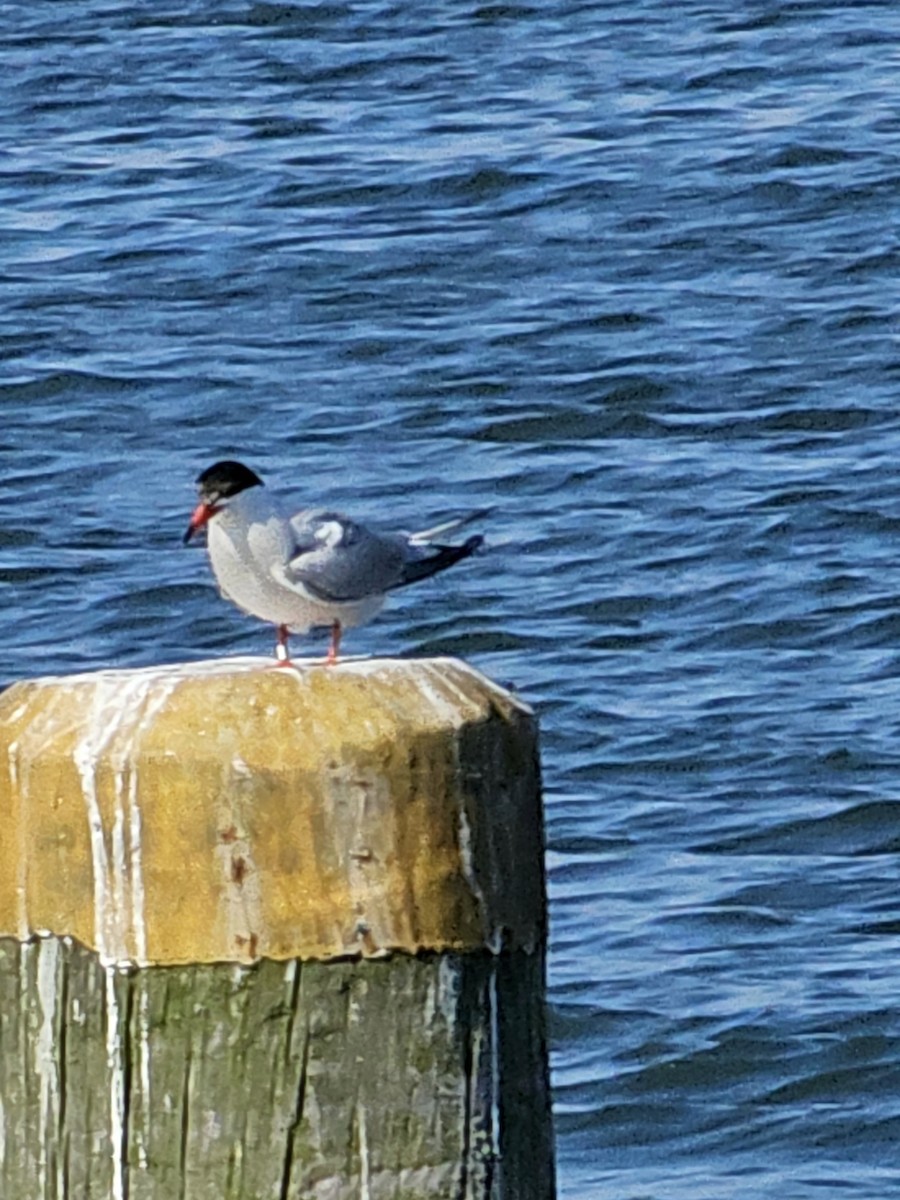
[
  {"x": 335, "y": 646},
  {"x": 282, "y": 654}
]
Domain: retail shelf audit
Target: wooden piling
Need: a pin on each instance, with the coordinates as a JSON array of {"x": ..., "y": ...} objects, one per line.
[{"x": 272, "y": 933}]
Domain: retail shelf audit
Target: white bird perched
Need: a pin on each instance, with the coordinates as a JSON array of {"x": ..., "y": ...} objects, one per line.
[{"x": 315, "y": 567}]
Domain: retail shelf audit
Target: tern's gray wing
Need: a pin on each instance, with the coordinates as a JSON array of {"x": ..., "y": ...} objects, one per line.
[{"x": 335, "y": 559}]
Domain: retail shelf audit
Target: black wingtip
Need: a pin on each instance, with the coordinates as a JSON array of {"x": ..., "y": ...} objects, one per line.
[{"x": 444, "y": 557}]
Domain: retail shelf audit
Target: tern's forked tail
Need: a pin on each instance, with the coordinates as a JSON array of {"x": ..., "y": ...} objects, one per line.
[{"x": 444, "y": 557}]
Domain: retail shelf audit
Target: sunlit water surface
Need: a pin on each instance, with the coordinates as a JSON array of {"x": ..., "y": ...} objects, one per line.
[{"x": 628, "y": 275}]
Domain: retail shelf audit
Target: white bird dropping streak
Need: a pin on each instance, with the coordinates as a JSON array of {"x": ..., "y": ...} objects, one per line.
[
  {"x": 47, "y": 950},
  {"x": 20, "y": 755},
  {"x": 120, "y": 713},
  {"x": 22, "y": 864},
  {"x": 493, "y": 1008},
  {"x": 364, "y": 1169},
  {"x": 116, "y": 1085}
]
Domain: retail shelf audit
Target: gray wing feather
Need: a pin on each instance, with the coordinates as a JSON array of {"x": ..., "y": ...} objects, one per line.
[{"x": 338, "y": 560}]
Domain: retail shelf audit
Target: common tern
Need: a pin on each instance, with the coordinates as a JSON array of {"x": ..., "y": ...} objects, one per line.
[{"x": 311, "y": 568}]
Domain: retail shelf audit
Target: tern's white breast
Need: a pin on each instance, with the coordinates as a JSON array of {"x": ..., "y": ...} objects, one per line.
[{"x": 246, "y": 541}]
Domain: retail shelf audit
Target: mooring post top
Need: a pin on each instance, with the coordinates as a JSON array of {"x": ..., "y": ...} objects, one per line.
[
  {"x": 232, "y": 810},
  {"x": 168, "y": 676}
]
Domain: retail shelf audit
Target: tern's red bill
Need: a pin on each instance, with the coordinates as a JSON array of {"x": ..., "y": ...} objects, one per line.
[{"x": 199, "y": 518}]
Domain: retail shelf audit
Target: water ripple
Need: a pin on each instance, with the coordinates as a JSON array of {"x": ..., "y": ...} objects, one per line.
[{"x": 626, "y": 276}]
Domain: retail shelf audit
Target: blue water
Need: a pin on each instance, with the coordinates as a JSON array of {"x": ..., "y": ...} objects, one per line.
[{"x": 626, "y": 273}]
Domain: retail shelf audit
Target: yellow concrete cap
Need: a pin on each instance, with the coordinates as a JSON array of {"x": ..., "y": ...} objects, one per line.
[{"x": 232, "y": 810}]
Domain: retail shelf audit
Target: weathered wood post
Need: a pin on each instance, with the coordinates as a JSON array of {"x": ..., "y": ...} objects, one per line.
[{"x": 272, "y": 933}]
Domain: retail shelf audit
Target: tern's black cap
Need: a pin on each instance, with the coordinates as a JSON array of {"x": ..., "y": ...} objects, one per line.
[{"x": 227, "y": 478}]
